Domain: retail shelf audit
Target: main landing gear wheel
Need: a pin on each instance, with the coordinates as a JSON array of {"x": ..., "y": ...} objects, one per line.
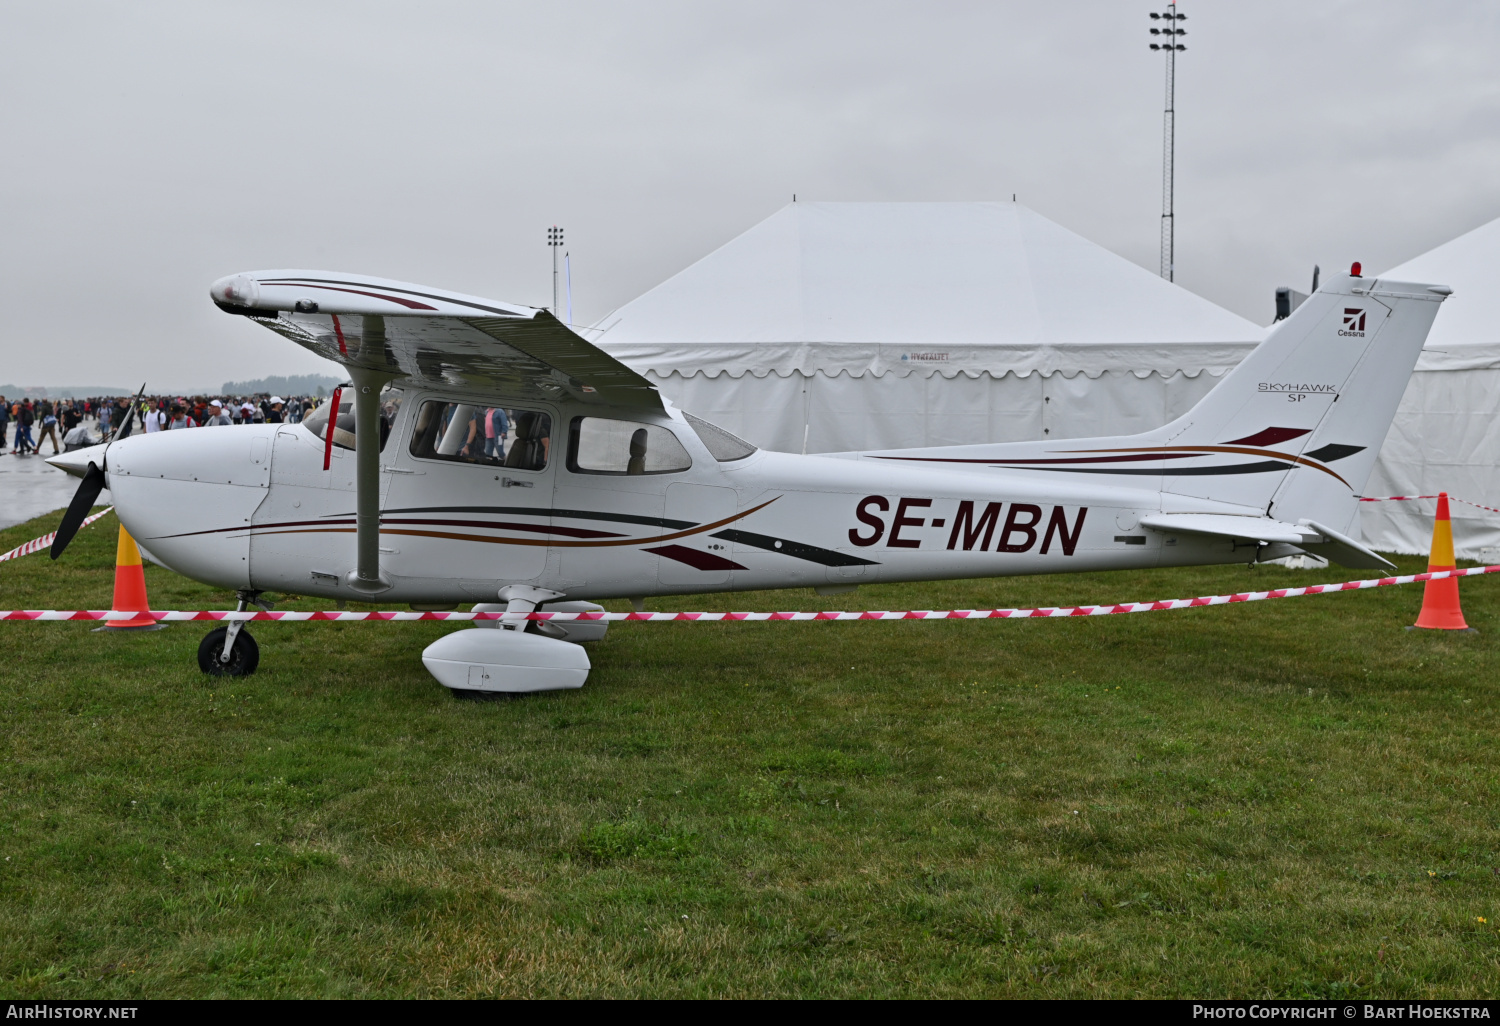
[{"x": 244, "y": 654}]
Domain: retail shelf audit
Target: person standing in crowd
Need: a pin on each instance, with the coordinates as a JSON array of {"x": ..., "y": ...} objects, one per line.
[
  {"x": 153, "y": 419},
  {"x": 48, "y": 429},
  {"x": 70, "y": 417},
  {"x": 496, "y": 428},
  {"x": 217, "y": 417},
  {"x": 273, "y": 411},
  {"x": 473, "y": 445},
  {"x": 24, "y": 419},
  {"x": 4, "y": 420},
  {"x": 180, "y": 419},
  {"x": 121, "y": 416},
  {"x": 105, "y": 409}
]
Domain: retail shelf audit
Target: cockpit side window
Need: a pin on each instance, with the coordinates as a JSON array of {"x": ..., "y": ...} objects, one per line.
[
  {"x": 600, "y": 445},
  {"x": 343, "y": 426},
  {"x": 491, "y": 436}
]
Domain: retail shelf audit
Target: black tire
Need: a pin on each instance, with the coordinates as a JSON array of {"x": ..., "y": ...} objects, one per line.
[{"x": 244, "y": 656}]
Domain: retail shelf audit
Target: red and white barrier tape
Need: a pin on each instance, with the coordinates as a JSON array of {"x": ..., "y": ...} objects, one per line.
[
  {"x": 947, "y": 614},
  {"x": 38, "y": 544},
  {"x": 1413, "y": 498}
]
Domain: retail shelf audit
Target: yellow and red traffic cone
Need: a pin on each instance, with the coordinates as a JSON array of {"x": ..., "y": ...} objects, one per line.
[
  {"x": 1440, "y": 608},
  {"x": 130, "y": 588}
]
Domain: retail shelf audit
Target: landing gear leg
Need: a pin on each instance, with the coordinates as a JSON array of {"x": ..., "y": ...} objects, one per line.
[{"x": 230, "y": 651}]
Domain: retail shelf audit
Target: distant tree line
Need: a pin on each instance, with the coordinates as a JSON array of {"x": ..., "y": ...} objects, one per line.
[
  {"x": 296, "y": 384},
  {"x": 63, "y": 391}
]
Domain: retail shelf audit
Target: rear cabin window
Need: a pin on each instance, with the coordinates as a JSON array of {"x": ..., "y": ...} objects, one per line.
[
  {"x": 598, "y": 445},
  {"x": 721, "y": 445},
  {"x": 492, "y": 436},
  {"x": 343, "y": 426}
]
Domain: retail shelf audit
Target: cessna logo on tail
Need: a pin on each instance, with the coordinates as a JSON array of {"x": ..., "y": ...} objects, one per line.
[{"x": 1354, "y": 322}]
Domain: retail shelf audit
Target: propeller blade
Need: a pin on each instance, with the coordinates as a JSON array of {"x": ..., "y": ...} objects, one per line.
[
  {"x": 123, "y": 430},
  {"x": 83, "y": 501}
]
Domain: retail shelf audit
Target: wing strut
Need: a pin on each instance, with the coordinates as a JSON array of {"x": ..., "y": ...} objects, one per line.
[{"x": 367, "y": 578}]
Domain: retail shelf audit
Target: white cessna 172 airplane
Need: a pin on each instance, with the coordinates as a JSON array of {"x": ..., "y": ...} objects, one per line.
[{"x": 607, "y": 490}]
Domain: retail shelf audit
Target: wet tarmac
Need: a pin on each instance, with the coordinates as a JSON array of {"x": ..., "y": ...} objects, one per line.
[{"x": 29, "y": 487}]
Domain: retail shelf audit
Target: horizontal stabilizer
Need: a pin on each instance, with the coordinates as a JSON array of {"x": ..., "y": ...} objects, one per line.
[
  {"x": 1224, "y": 525},
  {"x": 1309, "y": 535}
]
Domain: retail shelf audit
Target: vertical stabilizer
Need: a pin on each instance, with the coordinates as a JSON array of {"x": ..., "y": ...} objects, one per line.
[{"x": 1298, "y": 424}]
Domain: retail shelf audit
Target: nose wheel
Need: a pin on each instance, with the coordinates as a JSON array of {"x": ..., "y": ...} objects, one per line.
[
  {"x": 222, "y": 656},
  {"x": 230, "y": 651}
]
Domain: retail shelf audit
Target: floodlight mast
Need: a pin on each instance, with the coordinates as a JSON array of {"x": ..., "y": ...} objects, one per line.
[
  {"x": 554, "y": 242},
  {"x": 1169, "y": 132}
]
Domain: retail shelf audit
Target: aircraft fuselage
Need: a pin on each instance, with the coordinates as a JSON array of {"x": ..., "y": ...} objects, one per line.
[{"x": 251, "y": 508}]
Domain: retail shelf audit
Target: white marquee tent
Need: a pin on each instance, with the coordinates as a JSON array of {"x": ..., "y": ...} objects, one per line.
[
  {"x": 838, "y": 326},
  {"x": 1446, "y": 436}
]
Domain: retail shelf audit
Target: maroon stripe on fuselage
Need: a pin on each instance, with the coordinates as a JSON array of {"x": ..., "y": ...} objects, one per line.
[
  {"x": 997, "y": 461},
  {"x": 695, "y": 558},
  {"x": 565, "y": 532},
  {"x": 1270, "y": 436}
]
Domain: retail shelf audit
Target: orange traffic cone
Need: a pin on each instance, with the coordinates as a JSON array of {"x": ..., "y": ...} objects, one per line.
[
  {"x": 1440, "y": 608},
  {"x": 130, "y": 588}
]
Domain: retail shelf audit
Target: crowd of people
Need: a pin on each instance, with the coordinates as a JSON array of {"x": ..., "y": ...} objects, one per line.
[{"x": 27, "y": 424}]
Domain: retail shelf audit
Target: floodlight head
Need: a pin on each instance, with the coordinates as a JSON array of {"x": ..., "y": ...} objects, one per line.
[
  {"x": 1154, "y": 16},
  {"x": 1156, "y": 32},
  {"x": 1182, "y": 17},
  {"x": 1181, "y": 47},
  {"x": 1155, "y": 46}
]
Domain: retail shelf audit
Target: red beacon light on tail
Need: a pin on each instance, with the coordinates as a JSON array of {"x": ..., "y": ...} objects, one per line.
[{"x": 1354, "y": 270}]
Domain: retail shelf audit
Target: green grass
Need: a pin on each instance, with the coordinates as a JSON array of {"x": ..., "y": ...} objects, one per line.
[{"x": 1288, "y": 798}]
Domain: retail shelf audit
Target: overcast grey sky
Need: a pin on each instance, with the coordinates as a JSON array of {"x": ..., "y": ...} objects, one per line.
[{"x": 149, "y": 148}]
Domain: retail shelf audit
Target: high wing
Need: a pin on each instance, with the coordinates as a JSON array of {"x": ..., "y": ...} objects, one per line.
[{"x": 433, "y": 338}]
